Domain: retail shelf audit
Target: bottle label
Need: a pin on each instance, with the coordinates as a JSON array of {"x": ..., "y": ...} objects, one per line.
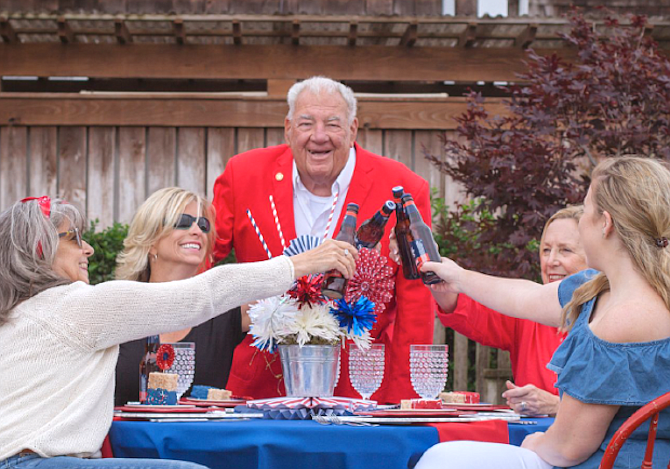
[{"x": 420, "y": 253}]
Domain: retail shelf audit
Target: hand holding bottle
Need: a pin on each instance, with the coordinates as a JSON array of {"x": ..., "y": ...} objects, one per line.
[
  {"x": 449, "y": 272},
  {"x": 329, "y": 255}
]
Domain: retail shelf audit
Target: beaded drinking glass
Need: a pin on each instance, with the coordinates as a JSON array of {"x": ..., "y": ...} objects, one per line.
[
  {"x": 183, "y": 365},
  {"x": 366, "y": 368},
  {"x": 428, "y": 367}
]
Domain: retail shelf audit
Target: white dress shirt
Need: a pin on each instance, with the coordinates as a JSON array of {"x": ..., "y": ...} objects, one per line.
[{"x": 312, "y": 211}]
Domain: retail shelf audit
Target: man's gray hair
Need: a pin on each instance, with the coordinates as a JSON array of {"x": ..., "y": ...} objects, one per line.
[
  {"x": 319, "y": 85},
  {"x": 28, "y": 244}
]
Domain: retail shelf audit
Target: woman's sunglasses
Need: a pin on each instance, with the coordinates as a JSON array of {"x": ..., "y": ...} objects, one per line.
[
  {"x": 70, "y": 235},
  {"x": 185, "y": 221}
]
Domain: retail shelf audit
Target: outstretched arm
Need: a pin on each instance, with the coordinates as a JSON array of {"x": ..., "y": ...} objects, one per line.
[{"x": 513, "y": 297}]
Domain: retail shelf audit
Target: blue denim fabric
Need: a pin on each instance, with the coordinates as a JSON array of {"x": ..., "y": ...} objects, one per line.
[
  {"x": 34, "y": 461},
  {"x": 629, "y": 375}
]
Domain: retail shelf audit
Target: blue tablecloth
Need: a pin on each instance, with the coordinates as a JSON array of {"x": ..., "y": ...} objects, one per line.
[{"x": 275, "y": 444}]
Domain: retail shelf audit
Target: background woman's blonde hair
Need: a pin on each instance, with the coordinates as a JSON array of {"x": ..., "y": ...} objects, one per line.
[
  {"x": 636, "y": 193},
  {"x": 154, "y": 220},
  {"x": 574, "y": 212}
]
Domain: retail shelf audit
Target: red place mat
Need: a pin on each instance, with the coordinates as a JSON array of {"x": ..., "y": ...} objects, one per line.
[{"x": 492, "y": 431}]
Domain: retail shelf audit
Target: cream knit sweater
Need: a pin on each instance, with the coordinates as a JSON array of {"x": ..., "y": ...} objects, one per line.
[{"x": 59, "y": 349}]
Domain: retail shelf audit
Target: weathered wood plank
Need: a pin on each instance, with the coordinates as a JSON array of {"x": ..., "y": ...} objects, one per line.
[
  {"x": 124, "y": 110},
  {"x": 274, "y": 136},
  {"x": 220, "y": 148},
  {"x": 459, "y": 356},
  {"x": 267, "y": 62},
  {"x": 371, "y": 140},
  {"x": 161, "y": 158},
  {"x": 191, "y": 160},
  {"x": 454, "y": 192},
  {"x": 380, "y": 7},
  {"x": 398, "y": 145},
  {"x": 43, "y": 161},
  {"x": 13, "y": 165},
  {"x": 132, "y": 171},
  {"x": 248, "y": 139},
  {"x": 72, "y": 166},
  {"x": 100, "y": 195},
  {"x": 428, "y": 140}
]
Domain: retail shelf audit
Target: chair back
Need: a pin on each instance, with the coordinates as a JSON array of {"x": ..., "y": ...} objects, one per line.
[{"x": 644, "y": 413}]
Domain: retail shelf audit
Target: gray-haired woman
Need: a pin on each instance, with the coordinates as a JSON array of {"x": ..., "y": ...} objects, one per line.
[{"x": 59, "y": 336}]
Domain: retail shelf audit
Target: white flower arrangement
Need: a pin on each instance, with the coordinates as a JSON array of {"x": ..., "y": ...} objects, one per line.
[{"x": 285, "y": 320}]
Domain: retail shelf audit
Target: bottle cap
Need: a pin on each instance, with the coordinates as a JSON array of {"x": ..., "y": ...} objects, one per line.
[
  {"x": 388, "y": 207},
  {"x": 352, "y": 207},
  {"x": 398, "y": 191}
]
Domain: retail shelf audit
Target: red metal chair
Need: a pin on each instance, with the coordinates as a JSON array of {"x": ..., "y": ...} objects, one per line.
[{"x": 644, "y": 413}]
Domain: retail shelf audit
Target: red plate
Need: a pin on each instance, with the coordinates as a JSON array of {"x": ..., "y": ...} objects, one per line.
[
  {"x": 183, "y": 409},
  {"x": 476, "y": 407}
]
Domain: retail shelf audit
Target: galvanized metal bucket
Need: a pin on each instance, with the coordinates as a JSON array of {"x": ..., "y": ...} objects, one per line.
[{"x": 310, "y": 370}]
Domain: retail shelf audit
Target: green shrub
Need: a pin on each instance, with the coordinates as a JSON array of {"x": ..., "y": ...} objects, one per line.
[{"x": 107, "y": 244}]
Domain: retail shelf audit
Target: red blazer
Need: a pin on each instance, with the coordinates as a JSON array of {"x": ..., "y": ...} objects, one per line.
[
  {"x": 530, "y": 344},
  {"x": 246, "y": 183}
]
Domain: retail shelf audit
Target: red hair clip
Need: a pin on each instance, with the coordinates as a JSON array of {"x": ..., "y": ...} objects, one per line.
[
  {"x": 662, "y": 242},
  {"x": 44, "y": 202}
]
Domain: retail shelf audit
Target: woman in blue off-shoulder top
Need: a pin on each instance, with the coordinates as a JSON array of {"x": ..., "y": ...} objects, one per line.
[{"x": 616, "y": 356}]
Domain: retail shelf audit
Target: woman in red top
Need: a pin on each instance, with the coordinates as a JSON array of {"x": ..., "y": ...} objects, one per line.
[{"x": 531, "y": 345}]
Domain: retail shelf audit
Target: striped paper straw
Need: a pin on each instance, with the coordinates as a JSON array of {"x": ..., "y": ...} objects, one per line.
[
  {"x": 330, "y": 217},
  {"x": 277, "y": 224},
  {"x": 258, "y": 233}
]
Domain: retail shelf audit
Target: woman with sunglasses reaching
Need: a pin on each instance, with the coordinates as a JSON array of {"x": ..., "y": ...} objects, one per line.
[
  {"x": 59, "y": 336},
  {"x": 171, "y": 238}
]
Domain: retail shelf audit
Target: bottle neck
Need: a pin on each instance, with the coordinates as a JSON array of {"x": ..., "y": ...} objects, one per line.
[{"x": 412, "y": 212}]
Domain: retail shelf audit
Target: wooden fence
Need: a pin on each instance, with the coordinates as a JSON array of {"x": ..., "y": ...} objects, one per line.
[{"x": 109, "y": 170}]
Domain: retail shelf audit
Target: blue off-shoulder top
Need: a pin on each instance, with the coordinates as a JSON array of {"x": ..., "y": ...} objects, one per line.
[{"x": 629, "y": 375}]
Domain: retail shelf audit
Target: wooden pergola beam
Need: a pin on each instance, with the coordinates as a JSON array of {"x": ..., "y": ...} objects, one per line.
[
  {"x": 353, "y": 33},
  {"x": 295, "y": 33},
  {"x": 527, "y": 36},
  {"x": 282, "y": 61},
  {"x": 65, "y": 33},
  {"x": 237, "y": 33},
  {"x": 121, "y": 32},
  {"x": 468, "y": 36},
  {"x": 179, "y": 31},
  {"x": 7, "y": 31},
  {"x": 64, "y": 109},
  {"x": 409, "y": 37}
]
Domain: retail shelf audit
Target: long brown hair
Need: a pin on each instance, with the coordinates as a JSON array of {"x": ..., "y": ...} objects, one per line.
[{"x": 636, "y": 193}]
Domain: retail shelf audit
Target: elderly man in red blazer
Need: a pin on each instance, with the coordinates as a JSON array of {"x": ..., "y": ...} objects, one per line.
[{"x": 319, "y": 163}]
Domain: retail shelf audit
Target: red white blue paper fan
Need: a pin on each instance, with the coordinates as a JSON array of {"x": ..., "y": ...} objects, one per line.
[
  {"x": 301, "y": 244},
  {"x": 373, "y": 279}
]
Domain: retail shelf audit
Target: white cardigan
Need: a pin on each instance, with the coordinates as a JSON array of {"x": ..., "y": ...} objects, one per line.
[{"x": 59, "y": 349}]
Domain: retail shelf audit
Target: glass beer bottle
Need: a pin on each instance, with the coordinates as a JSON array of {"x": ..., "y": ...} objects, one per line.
[
  {"x": 334, "y": 284},
  {"x": 423, "y": 246},
  {"x": 148, "y": 364},
  {"x": 372, "y": 230},
  {"x": 403, "y": 237}
]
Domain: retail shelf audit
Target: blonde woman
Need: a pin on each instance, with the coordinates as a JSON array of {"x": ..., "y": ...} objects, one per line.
[
  {"x": 530, "y": 344},
  {"x": 616, "y": 356},
  {"x": 59, "y": 336},
  {"x": 158, "y": 252}
]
